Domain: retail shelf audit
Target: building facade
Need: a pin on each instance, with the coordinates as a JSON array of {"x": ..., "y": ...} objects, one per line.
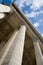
[{"x": 20, "y": 42}]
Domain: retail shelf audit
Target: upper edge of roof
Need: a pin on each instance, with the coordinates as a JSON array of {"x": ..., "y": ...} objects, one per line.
[{"x": 28, "y": 22}]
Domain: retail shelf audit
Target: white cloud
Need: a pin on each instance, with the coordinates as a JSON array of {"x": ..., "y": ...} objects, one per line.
[
  {"x": 34, "y": 4},
  {"x": 33, "y": 14},
  {"x": 42, "y": 35},
  {"x": 20, "y": 3},
  {"x": 37, "y": 24},
  {"x": 30, "y": 15}
]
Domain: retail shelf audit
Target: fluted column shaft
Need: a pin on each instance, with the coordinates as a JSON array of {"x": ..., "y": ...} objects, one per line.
[
  {"x": 16, "y": 58},
  {"x": 38, "y": 53},
  {"x": 7, "y": 47}
]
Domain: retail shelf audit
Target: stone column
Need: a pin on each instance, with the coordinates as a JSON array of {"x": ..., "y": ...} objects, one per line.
[
  {"x": 17, "y": 54},
  {"x": 38, "y": 53},
  {"x": 7, "y": 47}
]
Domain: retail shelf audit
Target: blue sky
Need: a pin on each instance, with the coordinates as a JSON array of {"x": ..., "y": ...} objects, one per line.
[{"x": 33, "y": 10}]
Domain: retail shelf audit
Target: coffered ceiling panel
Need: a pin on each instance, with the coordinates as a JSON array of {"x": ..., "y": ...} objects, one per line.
[
  {"x": 5, "y": 28},
  {"x": 1, "y": 36}
]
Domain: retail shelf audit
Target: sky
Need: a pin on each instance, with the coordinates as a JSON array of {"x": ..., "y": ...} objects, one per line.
[{"x": 33, "y": 10}]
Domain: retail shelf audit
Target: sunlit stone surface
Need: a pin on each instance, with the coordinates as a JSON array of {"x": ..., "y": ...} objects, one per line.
[
  {"x": 2, "y": 15},
  {"x": 16, "y": 58},
  {"x": 7, "y": 47},
  {"x": 4, "y": 8},
  {"x": 11, "y": 23},
  {"x": 38, "y": 53}
]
